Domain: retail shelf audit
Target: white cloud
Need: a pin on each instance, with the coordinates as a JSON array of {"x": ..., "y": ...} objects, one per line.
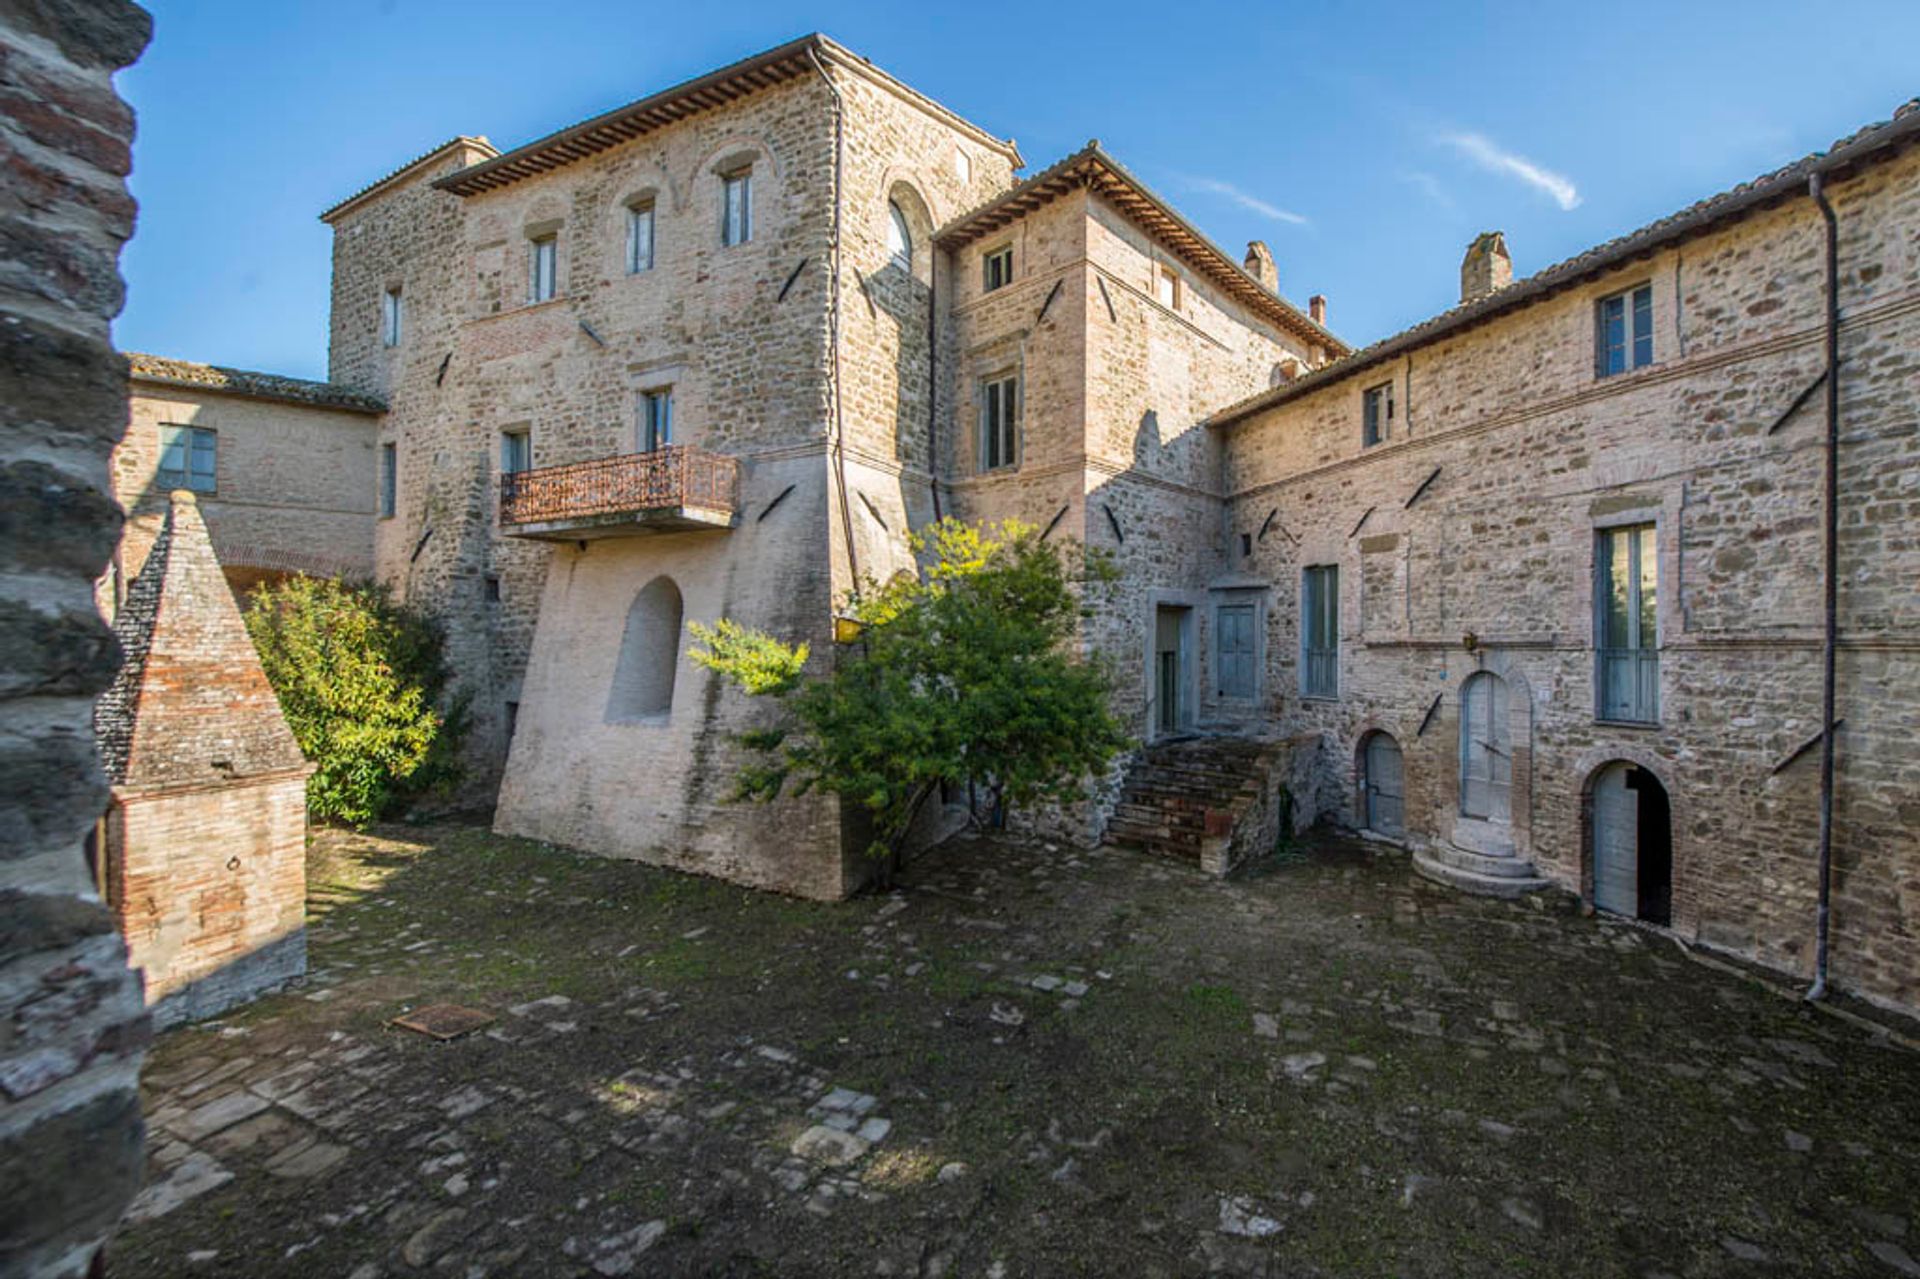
[
  {"x": 1430, "y": 187},
  {"x": 1214, "y": 186},
  {"x": 1489, "y": 155}
]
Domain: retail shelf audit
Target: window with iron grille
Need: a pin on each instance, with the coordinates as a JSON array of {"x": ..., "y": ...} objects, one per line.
[
  {"x": 1626, "y": 630},
  {"x": 187, "y": 458},
  {"x": 1376, "y": 415},
  {"x": 999, "y": 421},
  {"x": 1320, "y": 631},
  {"x": 1623, "y": 332}
]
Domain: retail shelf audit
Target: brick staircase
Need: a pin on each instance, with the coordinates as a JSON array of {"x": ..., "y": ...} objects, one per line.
[{"x": 1183, "y": 798}]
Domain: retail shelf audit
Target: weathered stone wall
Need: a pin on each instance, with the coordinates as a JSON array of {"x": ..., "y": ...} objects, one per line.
[
  {"x": 295, "y": 483},
  {"x": 71, "y": 1026},
  {"x": 1534, "y": 455}
]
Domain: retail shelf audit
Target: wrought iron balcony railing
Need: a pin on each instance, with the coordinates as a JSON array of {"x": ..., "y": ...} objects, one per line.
[{"x": 676, "y": 486}]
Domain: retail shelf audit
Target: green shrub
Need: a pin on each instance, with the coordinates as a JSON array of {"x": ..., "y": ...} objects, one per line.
[{"x": 361, "y": 680}]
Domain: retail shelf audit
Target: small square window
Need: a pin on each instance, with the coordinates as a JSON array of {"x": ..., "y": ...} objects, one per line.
[
  {"x": 187, "y": 459},
  {"x": 390, "y": 317},
  {"x": 736, "y": 207},
  {"x": 999, "y": 421},
  {"x": 1376, "y": 415},
  {"x": 542, "y": 261},
  {"x": 997, "y": 268},
  {"x": 1623, "y": 331},
  {"x": 491, "y": 585},
  {"x": 640, "y": 238},
  {"x": 1166, "y": 287}
]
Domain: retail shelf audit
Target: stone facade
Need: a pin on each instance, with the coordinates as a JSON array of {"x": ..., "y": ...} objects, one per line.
[
  {"x": 294, "y": 484},
  {"x": 202, "y": 853},
  {"x": 72, "y": 1031},
  {"x": 1176, "y": 412},
  {"x": 1480, "y": 516}
]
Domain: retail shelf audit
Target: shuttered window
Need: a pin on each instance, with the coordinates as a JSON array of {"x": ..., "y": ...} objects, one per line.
[
  {"x": 999, "y": 422},
  {"x": 1320, "y": 631},
  {"x": 656, "y": 419},
  {"x": 996, "y": 268},
  {"x": 542, "y": 264},
  {"x": 1376, "y": 415},
  {"x": 1233, "y": 649}
]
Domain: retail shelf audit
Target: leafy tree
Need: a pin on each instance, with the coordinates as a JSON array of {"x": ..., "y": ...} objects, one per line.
[
  {"x": 967, "y": 674},
  {"x": 359, "y": 679}
]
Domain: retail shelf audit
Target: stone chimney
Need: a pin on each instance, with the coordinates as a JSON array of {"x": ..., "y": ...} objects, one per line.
[
  {"x": 1261, "y": 267},
  {"x": 1486, "y": 269},
  {"x": 1317, "y": 308}
]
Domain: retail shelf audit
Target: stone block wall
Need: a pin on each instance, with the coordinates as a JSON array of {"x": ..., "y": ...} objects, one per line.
[
  {"x": 72, "y": 1030},
  {"x": 1525, "y": 455}
]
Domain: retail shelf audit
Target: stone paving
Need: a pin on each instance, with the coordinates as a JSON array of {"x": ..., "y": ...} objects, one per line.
[{"x": 1024, "y": 1060}]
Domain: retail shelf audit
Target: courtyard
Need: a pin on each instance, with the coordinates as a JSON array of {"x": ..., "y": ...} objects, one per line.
[{"x": 1024, "y": 1059}]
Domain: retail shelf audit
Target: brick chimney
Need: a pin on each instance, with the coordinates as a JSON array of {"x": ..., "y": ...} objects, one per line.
[
  {"x": 1260, "y": 265},
  {"x": 1317, "y": 308},
  {"x": 1487, "y": 268}
]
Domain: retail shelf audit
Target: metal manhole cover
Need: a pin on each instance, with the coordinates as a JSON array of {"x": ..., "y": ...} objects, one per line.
[{"x": 443, "y": 1021}]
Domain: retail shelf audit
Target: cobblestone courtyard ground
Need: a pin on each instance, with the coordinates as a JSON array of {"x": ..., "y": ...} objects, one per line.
[{"x": 1021, "y": 1062}]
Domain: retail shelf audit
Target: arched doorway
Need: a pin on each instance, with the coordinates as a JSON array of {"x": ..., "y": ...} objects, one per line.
[
  {"x": 1486, "y": 749},
  {"x": 1631, "y": 838},
  {"x": 1383, "y": 786}
]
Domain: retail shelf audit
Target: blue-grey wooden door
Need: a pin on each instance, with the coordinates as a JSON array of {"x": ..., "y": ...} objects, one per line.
[
  {"x": 1616, "y": 842},
  {"x": 1386, "y": 788},
  {"x": 1486, "y": 749}
]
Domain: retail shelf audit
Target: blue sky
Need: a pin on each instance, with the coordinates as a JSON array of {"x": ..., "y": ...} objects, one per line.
[{"x": 1367, "y": 143}]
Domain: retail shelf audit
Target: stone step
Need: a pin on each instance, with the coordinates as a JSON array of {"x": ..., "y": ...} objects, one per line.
[
  {"x": 1178, "y": 797},
  {"x": 1493, "y": 865},
  {"x": 1153, "y": 836},
  {"x": 1152, "y": 814},
  {"x": 1479, "y": 885}
]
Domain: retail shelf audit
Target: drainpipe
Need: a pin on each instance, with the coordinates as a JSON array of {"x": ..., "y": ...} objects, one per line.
[
  {"x": 1816, "y": 189},
  {"x": 933, "y": 381},
  {"x": 839, "y": 444}
]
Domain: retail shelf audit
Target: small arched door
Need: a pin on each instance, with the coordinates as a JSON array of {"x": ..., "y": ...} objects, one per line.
[
  {"x": 1383, "y": 785},
  {"x": 1632, "y": 842},
  {"x": 1486, "y": 749}
]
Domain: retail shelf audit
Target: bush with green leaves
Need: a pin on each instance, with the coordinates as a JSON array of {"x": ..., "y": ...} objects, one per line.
[
  {"x": 967, "y": 674},
  {"x": 361, "y": 681}
]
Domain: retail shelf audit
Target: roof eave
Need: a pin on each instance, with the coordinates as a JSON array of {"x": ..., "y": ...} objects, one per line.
[{"x": 401, "y": 174}]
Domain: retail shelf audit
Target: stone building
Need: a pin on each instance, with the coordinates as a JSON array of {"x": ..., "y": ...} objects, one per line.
[
  {"x": 202, "y": 852},
  {"x": 1534, "y": 589},
  {"x": 283, "y": 470},
  {"x": 72, "y": 1030}
]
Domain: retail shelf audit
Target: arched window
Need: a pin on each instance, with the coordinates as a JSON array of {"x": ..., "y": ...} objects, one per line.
[
  {"x": 899, "y": 237},
  {"x": 649, "y": 656}
]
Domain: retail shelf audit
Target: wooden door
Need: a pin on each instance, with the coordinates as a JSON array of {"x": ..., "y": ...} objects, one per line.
[{"x": 1486, "y": 749}]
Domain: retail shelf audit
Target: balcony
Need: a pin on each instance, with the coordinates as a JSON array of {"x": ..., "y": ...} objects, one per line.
[{"x": 670, "y": 490}]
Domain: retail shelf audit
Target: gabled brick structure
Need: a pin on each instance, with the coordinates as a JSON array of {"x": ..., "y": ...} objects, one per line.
[{"x": 204, "y": 857}]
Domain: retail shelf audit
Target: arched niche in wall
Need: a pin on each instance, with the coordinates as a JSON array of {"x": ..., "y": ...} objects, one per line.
[{"x": 643, "y": 676}]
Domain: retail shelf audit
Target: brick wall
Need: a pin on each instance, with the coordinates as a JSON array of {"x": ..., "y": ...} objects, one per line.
[
  {"x": 71, "y": 1027},
  {"x": 294, "y": 491}
]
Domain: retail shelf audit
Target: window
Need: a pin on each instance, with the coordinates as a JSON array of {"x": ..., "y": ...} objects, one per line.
[
  {"x": 962, "y": 165},
  {"x": 639, "y": 238},
  {"x": 1320, "y": 631},
  {"x": 389, "y": 479},
  {"x": 516, "y": 451},
  {"x": 999, "y": 421},
  {"x": 1626, "y": 636},
  {"x": 899, "y": 238},
  {"x": 1233, "y": 649},
  {"x": 996, "y": 268},
  {"x": 1376, "y": 415},
  {"x": 643, "y": 676},
  {"x": 541, "y": 261},
  {"x": 187, "y": 458},
  {"x": 390, "y": 317},
  {"x": 1623, "y": 333},
  {"x": 490, "y": 587},
  {"x": 736, "y": 207},
  {"x": 1166, "y": 287},
  {"x": 655, "y": 425}
]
